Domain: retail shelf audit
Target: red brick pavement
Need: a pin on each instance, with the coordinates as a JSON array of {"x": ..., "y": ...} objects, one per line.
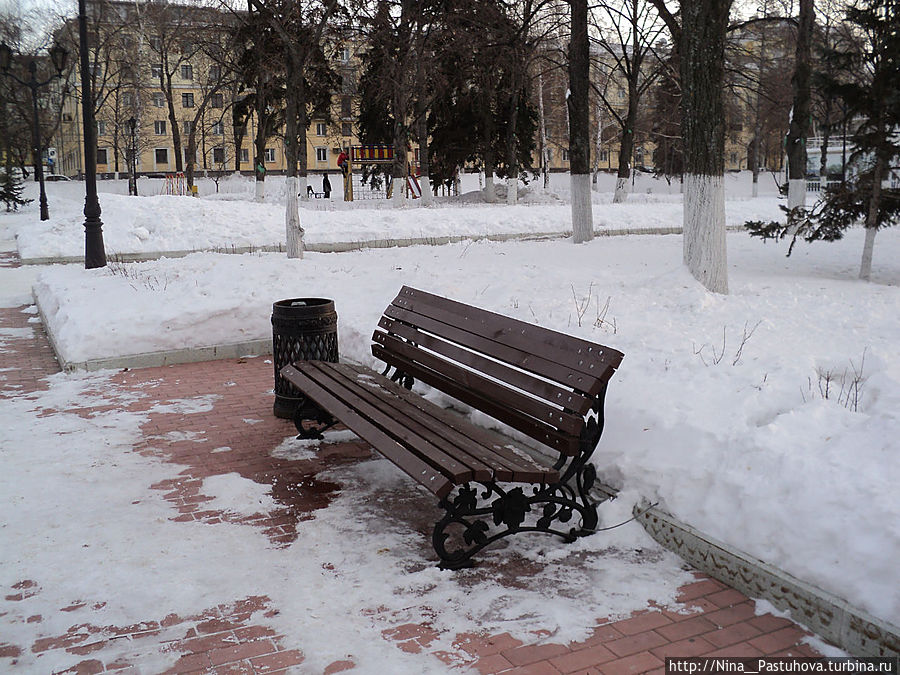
[{"x": 223, "y": 639}]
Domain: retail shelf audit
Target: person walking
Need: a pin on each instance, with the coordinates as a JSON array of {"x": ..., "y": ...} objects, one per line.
[{"x": 326, "y": 186}]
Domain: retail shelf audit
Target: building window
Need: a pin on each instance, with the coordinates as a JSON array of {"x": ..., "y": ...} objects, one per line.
[
  {"x": 156, "y": 71},
  {"x": 270, "y": 155},
  {"x": 188, "y": 126},
  {"x": 101, "y": 129},
  {"x": 604, "y": 155},
  {"x": 101, "y": 156},
  {"x": 218, "y": 128},
  {"x": 187, "y": 71},
  {"x": 320, "y": 129},
  {"x": 321, "y": 154},
  {"x": 245, "y": 155},
  {"x": 565, "y": 155},
  {"x": 219, "y": 155},
  {"x": 127, "y": 99},
  {"x": 217, "y": 101},
  {"x": 346, "y": 129},
  {"x": 345, "y": 106},
  {"x": 155, "y": 43},
  {"x": 159, "y": 100},
  {"x": 344, "y": 54},
  {"x": 161, "y": 155},
  {"x": 159, "y": 128},
  {"x": 187, "y": 100},
  {"x": 215, "y": 73}
]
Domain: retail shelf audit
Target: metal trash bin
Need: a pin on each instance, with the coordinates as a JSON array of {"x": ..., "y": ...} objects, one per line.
[{"x": 302, "y": 329}]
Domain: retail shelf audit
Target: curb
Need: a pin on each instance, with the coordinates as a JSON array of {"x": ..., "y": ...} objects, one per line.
[
  {"x": 853, "y": 630},
  {"x": 345, "y": 246},
  {"x": 234, "y": 350}
]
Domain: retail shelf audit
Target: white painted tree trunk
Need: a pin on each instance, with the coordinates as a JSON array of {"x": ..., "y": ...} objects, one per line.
[
  {"x": 512, "y": 191},
  {"x": 303, "y": 193},
  {"x": 582, "y": 215},
  {"x": 542, "y": 121},
  {"x": 260, "y": 190},
  {"x": 398, "y": 195},
  {"x": 293, "y": 230},
  {"x": 705, "y": 252},
  {"x": 490, "y": 194},
  {"x": 427, "y": 198},
  {"x": 865, "y": 268},
  {"x": 599, "y": 146},
  {"x": 756, "y": 186},
  {"x": 796, "y": 193},
  {"x": 621, "y": 192}
]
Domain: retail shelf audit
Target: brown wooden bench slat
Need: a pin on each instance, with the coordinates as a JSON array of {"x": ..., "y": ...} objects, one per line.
[
  {"x": 511, "y": 465},
  {"x": 516, "y": 402},
  {"x": 586, "y": 357},
  {"x": 548, "y": 391},
  {"x": 422, "y": 473},
  {"x": 427, "y": 442},
  {"x": 525, "y": 360},
  {"x": 418, "y": 446},
  {"x": 540, "y": 431}
]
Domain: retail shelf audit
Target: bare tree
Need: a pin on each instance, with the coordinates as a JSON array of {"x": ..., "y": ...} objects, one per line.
[
  {"x": 699, "y": 30},
  {"x": 795, "y": 143},
  {"x": 299, "y": 28},
  {"x": 633, "y": 29},
  {"x": 579, "y": 123}
]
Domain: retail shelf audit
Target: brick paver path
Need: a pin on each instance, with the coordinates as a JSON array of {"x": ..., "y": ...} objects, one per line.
[{"x": 224, "y": 639}]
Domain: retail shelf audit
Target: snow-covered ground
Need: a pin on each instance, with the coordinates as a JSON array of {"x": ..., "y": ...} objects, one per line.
[
  {"x": 767, "y": 418},
  {"x": 230, "y": 218}
]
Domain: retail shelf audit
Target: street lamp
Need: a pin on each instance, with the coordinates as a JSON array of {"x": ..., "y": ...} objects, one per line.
[
  {"x": 132, "y": 163},
  {"x": 94, "y": 253},
  {"x": 58, "y": 56}
]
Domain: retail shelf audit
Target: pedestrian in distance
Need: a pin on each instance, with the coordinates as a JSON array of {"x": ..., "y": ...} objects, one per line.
[{"x": 326, "y": 186}]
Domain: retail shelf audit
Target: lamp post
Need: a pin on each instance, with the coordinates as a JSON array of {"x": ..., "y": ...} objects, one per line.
[
  {"x": 94, "y": 253},
  {"x": 58, "y": 55},
  {"x": 132, "y": 161}
]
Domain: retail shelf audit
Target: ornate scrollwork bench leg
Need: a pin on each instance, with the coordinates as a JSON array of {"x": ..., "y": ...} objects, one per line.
[
  {"x": 478, "y": 516},
  {"x": 308, "y": 411}
]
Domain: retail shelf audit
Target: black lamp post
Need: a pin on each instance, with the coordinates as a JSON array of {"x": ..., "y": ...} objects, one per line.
[
  {"x": 132, "y": 162},
  {"x": 94, "y": 253},
  {"x": 58, "y": 55}
]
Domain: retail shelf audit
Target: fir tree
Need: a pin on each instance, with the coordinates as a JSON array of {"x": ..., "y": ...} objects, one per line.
[
  {"x": 874, "y": 98},
  {"x": 11, "y": 189}
]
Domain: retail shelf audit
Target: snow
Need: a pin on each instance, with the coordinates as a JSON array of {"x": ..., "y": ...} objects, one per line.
[{"x": 719, "y": 410}]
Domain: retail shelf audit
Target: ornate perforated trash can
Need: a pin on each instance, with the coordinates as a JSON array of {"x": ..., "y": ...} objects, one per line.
[{"x": 302, "y": 329}]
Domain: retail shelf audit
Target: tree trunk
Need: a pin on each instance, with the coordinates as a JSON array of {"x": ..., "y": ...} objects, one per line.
[
  {"x": 702, "y": 52},
  {"x": 598, "y": 149},
  {"x": 512, "y": 164},
  {"x": 626, "y": 148},
  {"x": 293, "y": 101},
  {"x": 799, "y": 128},
  {"x": 878, "y": 174},
  {"x": 542, "y": 120},
  {"x": 176, "y": 132},
  {"x": 826, "y": 138},
  {"x": 579, "y": 124},
  {"x": 424, "y": 164}
]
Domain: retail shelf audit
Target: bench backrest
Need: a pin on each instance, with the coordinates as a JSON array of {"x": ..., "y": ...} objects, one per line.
[{"x": 538, "y": 381}]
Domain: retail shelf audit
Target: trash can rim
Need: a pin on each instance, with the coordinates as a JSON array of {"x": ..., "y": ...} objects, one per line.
[{"x": 303, "y": 302}]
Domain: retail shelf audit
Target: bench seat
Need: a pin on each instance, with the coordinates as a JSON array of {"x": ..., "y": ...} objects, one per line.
[{"x": 436, "y": 447}]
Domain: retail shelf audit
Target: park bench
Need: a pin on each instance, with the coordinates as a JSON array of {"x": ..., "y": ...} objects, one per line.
[{"x": 546, "y": 385}]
